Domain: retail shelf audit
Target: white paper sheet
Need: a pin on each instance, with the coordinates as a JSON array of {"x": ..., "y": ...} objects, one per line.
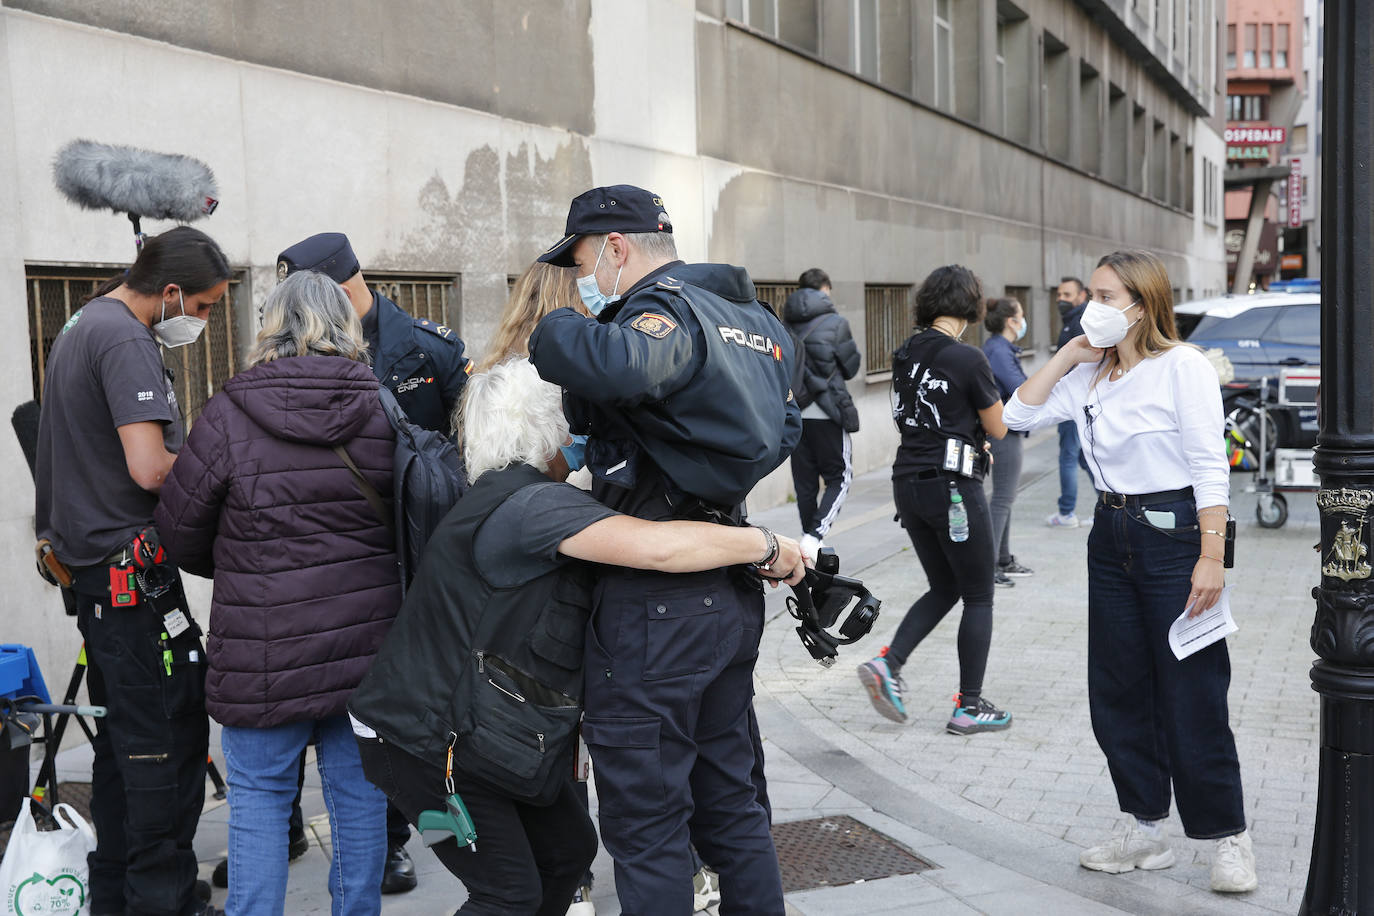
[{"x": 1188, "y": 635}]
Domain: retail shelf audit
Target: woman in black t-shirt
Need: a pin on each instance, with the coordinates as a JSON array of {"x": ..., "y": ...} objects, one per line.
[{"x": 945, "y": 402}]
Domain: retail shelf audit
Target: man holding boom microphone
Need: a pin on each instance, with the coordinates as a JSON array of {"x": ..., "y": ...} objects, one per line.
[{"x": 108, "y": 433}]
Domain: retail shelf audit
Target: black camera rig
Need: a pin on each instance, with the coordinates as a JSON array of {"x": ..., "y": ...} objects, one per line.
[{"x": 819, "y": 600}]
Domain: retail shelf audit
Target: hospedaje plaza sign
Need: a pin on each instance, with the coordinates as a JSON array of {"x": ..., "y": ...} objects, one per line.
[
  {"x": 1252, "y": 136},
  {"x": 1251, "y": 144}
]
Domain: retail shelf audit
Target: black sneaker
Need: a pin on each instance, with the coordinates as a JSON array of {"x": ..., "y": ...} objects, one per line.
[
  {"x": 979, "y": 716},
  {"x": 1015, "y": 569},
  {"x": 1001, "y": 581}
]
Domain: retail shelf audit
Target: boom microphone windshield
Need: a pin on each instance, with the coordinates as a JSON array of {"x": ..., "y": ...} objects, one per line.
[{"x": 99, "y": 176}]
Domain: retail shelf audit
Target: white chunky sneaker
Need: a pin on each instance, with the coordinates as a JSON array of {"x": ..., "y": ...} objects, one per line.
[
  {"x": 1233, "y": 868},
  {"x": 1129, "y": 849}
]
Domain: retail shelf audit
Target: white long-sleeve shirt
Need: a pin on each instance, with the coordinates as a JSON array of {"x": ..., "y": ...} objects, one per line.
[{"x": 1158, "y": 427}]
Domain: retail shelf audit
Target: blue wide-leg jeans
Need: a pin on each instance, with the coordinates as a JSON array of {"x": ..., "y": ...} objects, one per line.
[{"x": 1160, "y": 721}]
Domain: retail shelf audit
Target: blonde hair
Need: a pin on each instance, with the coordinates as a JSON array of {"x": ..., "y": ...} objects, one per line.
[
  {"x": 510, "y": 416},
  {"x": 308, "y": 314},
  {"x": 1147, "y": 281},
  {"x": 541, "y": 289}
]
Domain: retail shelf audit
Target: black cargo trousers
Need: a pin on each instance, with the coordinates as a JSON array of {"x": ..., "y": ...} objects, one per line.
[{"x": 148, "y": 777}]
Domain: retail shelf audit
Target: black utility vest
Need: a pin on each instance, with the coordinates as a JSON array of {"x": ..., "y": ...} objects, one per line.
[{"x": 495, "y": 672}]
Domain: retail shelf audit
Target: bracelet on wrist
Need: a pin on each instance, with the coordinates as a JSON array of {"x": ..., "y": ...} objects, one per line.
[
  {"x": 1220, "y": 534},
  {"x": 771, "y": 556},
  {"x": 1208, "y": 556}
]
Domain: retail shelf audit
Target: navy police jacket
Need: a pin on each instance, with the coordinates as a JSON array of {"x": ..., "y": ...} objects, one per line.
[
  {"x": 683, "y": 386},
  {"x": 421, "y": 362}
]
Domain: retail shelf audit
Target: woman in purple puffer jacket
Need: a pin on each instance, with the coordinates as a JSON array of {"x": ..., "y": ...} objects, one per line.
[{"x": 305, "y": 588}]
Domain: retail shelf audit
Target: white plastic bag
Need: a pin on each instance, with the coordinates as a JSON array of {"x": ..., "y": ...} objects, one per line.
[{"x": 44, "y": 872}]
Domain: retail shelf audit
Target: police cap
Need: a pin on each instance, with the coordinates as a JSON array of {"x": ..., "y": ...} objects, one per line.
[
  {"x": 328, "y": 253},
  {"x": 618, "y": 208}
]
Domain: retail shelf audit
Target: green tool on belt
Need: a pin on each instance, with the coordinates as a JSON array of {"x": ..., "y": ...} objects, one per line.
[{"x": 453, "y": 822}]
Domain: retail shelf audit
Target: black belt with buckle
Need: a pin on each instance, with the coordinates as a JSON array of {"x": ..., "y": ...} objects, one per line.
[{"x": 1136, "y": 500}]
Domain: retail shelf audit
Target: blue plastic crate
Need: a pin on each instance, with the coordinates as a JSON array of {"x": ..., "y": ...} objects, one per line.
[{"x": 19, "y": 673}]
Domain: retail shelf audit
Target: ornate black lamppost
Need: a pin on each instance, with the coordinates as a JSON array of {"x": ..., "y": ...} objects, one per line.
[{"x": 1341, "y": 877}]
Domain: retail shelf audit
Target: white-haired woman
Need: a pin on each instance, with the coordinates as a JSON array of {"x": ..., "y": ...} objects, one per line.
[
  {"x": 305, "y": 584},
  {"x": 508, "y": 548}
]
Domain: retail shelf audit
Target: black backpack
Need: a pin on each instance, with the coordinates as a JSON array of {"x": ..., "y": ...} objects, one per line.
[
  {"x": 801, "y": 389},
  {"x": 428, "y": 478}
]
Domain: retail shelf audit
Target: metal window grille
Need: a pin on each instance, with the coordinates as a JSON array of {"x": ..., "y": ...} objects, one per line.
[
  {"x": 775, "y": 294},
  {"x": 422, "y": 295},
  {"x": 887, "y": 322},
  {"x": 199, "y": 369}
]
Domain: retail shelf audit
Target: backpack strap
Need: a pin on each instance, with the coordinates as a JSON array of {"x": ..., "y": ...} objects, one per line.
[{"x": 374, "y": 499}]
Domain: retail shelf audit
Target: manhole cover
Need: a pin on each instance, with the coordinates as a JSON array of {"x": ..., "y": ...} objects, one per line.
[{"x": 831, "y": 851}]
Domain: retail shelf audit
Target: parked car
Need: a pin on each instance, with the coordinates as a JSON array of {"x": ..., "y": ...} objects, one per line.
[{"x": 1260, "y": 334}]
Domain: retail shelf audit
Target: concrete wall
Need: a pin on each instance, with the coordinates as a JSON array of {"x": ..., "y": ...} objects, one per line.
[{"x": 450, "y": 142}]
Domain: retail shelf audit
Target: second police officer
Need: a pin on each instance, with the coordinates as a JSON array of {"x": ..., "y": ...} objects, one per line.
[
  {"x": 681, "y": 381},
  {"x": 421, "y": 362}
]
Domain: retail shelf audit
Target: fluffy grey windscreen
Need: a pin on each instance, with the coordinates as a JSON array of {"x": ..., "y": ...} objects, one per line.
[{"x": 99, "y": 176}]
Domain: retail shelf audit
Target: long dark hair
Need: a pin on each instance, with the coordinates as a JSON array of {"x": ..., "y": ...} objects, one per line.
[{"x": 184, "y": 256}]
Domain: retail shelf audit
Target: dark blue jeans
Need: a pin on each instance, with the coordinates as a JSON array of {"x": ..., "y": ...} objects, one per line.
[
  {"x": 1158, "y": 720},
  {"x": 954, "y": 571},
  {"x": 1070, "y": 460}
]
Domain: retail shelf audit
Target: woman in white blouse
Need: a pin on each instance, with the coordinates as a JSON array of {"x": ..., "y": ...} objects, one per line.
[{"x": 1148, "y": 412}]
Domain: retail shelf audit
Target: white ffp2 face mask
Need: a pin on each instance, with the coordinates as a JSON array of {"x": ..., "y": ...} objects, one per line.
[
  {"x": 180, "y": 330},
  {"x": 1104, "y": 325}
]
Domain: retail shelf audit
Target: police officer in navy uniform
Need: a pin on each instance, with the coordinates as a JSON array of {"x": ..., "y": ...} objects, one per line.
[
  {"x": 422, "y": 363},
  {"x": 681, "y": 383},
  {"x": 420, "y": 360}
]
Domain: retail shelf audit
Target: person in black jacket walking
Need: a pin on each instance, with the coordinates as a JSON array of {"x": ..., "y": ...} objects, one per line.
[{"x": 829, "y": 357}]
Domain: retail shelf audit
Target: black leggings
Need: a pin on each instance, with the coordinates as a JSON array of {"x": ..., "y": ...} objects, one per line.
[{"x": 954, "y": 570}]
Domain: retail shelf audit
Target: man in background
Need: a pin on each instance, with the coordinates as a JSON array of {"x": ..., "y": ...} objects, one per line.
[
  {"x": 1072, "y": 300},
  {"x": 827, "y": 357}
]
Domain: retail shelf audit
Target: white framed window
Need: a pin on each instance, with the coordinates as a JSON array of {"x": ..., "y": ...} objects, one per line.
[
  {"x": 757, "y": 14},
  {"x": 865, "y": 32},
  {"x": 944, "y": 55},
  {"x": 1000, "y": 116}
]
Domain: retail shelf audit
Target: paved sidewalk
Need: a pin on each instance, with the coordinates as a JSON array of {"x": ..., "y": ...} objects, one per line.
[
  {"x": 1022, "y": 803},
  {"x": 1003, "y": 816}
]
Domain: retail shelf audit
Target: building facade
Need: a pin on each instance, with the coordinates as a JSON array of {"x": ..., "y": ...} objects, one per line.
[
  {"x": 1267, "y": 73},
  {"x": 876, "y": 139},
  {"x": 1301, "y": 254}
]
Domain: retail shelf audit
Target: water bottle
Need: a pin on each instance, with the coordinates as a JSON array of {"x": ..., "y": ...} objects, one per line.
[{"x": 958, "y": 516}]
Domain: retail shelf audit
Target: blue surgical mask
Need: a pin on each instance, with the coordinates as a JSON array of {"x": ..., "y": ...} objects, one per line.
[
  {"x": 590, "y": 291},
  {"x": 575, "y": 452},
  {"x": 1021, "y": 331}
]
